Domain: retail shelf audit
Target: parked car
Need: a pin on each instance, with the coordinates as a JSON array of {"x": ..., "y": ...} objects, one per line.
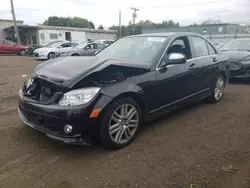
[
  {"x": 106, "y": 42},
  {"x": 33, "y": 47},
  {"x": 9, "y": 47},
  {"x": 49, "y": 52},
  {"x": 238, "y": 51},
  {"x": 83, "y": 49},
  {"x": 111, "y": 94}
]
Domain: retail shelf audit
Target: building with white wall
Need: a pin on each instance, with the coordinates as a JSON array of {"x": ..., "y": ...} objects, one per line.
[{"x": 45, "y": 34}]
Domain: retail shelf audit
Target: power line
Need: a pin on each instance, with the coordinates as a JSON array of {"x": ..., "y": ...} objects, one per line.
[{"x": 192, "y": 4}]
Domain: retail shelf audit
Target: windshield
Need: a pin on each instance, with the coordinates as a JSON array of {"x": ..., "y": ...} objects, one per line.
[
  {"x": 81, "y": 46},
  {"x": 237, "y": 45},
  {"x": 142, "y": 49}
]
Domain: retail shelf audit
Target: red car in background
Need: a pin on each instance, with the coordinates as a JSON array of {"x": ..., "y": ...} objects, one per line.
[{"x": 9, "y": 47}]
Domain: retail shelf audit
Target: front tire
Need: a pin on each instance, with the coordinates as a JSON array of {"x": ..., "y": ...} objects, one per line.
[
  {"x": 120, "y": 123},
  {"x": 75, "y": 55},
  {"x": 51, "y": 55},
  {"x": 22, "y": 52},
  {"x": 217, "y": 89}
]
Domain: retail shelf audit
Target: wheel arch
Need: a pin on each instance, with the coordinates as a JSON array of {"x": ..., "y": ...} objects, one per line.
[
  {"x": 135, "y": 96},
  {"x": 223, "y": 73},
  {"x": 51, "y": 52},
  {"x": 75, "y": 54}
]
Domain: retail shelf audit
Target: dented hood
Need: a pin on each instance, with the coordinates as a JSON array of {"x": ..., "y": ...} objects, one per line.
[{"x": 70, "y": 70}]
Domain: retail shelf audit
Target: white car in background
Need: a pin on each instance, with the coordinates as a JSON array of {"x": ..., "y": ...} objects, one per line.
[
  {"x": 50, "y": 51},
  {"x": 106, "y": 42}
]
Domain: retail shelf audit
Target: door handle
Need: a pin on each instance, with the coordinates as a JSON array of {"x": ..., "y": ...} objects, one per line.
[
  {"x": 193, "y": 66},
  {"x": 214, "y": 59}
]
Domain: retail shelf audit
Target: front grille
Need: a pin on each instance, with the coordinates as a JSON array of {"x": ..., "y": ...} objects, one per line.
[
  {"x": 42, "y": 91},
  {"x": 43, "y": 122},
  {"x": 36, "y": 54}
]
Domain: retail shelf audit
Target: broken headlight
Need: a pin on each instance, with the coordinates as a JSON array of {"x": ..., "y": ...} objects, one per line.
[{"x": 79, "y": 96}]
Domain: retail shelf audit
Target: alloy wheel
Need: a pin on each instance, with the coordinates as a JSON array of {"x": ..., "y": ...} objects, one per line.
[
  {"x": 123, "y": 123},
  {"x": 51, "y": 55},
  {"x": 219, "y": 88},
  {"x": 22, "y": 52}
]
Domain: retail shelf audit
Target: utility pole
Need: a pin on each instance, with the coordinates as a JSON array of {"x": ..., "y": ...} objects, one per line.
[
  {"x": 14, "y": 20},
  {"x": 120, "y": 27},
  {"x": 134, "y": 16}
]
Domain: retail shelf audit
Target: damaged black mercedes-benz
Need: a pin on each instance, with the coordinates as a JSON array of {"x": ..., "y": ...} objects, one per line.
[{"x": 109, "y": 95}]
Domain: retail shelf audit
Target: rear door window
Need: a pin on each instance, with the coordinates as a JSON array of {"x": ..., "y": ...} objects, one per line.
[{"x": 199, "y": 47}]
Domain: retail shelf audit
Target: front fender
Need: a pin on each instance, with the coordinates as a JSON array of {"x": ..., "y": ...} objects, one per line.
[
  {"x": 121, "y": 88},
  {"x": 127, "y": 90}
]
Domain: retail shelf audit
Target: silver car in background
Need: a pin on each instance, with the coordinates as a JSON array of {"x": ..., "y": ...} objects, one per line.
[
  {"x": 83, "y": 49},
  {"x": 106, "y": 42}
]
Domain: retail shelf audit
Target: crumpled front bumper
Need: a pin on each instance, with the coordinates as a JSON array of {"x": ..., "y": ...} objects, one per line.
[
  {"x": 51, "y": 119},
  {"x": 75, "y": 139}
]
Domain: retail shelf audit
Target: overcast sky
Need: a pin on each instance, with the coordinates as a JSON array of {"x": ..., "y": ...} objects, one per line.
[{"x": 106, "y": 12}]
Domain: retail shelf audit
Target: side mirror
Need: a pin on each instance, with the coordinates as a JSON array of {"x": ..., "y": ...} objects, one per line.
[{"x": 174, "y": 59}]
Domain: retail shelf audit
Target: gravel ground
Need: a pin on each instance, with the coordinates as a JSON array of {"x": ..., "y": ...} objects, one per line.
[{"x": 205, "y": 145}]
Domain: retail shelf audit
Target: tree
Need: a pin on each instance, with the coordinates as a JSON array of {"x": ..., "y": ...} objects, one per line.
[
  {"x": 168, "y": 24},
  {"x": 100, "y": 27},
  {"x": 69, "y": 22},
  {"x": 194, "y": 24},
  {"x": 146, "y": 24},
  {"x": 128, "y": 30},
  {"x": 209, "y": 22}
]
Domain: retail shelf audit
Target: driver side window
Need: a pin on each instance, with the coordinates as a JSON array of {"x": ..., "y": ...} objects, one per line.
[
  {"x": 65, "y": 45},
  {"x": 89, "y": 47},
  {"x": 180, "y": 45}
]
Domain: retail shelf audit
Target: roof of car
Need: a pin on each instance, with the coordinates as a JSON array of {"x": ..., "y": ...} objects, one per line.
[{"x": 166, "y": 34}]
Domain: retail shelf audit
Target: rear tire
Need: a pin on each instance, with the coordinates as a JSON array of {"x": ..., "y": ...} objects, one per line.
[
  {"x": 217, "y": 89},
  {"x": 75, "y": 55},
  {"x": 120, "y": 123}
]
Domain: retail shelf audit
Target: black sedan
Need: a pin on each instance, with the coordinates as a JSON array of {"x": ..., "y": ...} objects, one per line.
[
  {"x": 238, "y": 51},
  {"x": 108, "y": 96}
]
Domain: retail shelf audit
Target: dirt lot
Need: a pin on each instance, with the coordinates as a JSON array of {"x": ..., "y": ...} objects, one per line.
[{"x": 190, "y": 148}]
